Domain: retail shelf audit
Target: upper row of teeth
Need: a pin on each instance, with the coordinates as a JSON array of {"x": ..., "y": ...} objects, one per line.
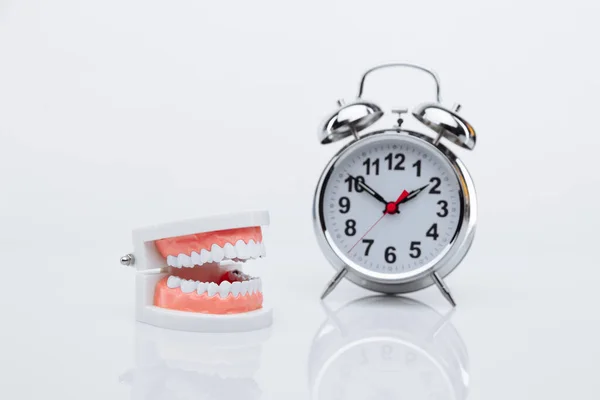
[
  {"x": 224, "y": 289},
  {"x": 240, "y": 250}
]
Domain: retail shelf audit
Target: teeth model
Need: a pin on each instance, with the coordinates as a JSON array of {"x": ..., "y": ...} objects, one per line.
[{"x": 197, "y": 282}]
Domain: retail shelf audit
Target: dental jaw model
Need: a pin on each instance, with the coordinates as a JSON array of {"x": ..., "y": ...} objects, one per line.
[{"x": 190, "y": 274}]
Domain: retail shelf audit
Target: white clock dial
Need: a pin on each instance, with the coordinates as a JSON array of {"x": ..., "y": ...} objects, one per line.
[{"x": 392, "y": 204}]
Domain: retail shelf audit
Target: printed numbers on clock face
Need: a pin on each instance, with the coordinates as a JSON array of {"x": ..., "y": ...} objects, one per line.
[{"x": 414, "y": 232}]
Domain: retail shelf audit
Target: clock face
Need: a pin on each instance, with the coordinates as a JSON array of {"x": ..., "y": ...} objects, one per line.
[{"x": 391, "y": 204}]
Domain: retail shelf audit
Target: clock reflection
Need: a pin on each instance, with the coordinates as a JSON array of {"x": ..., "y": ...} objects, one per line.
[
  {"x": 384, "y": 347},
  {"x": 184, "y": 365}
]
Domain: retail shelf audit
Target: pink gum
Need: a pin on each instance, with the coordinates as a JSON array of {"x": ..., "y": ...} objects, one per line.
[
  {"x": 196, "y": 242},
  {"x": 175, "y": 299}
]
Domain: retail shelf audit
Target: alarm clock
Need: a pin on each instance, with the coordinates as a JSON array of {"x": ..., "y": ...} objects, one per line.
[{"x": 395, "y": 209}]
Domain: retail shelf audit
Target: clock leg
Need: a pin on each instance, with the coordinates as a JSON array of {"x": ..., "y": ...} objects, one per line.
[
  {"x": 334, "y": 282},
  {"x": 443, "y": 288}
]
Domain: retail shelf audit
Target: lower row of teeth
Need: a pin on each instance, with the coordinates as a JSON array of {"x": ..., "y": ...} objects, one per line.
[{"x": 251, "y": 286}]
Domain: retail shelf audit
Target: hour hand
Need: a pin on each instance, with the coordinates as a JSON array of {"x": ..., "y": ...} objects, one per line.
[
  {"x": 369, "y": 190},
  {"x": 414, "y": 193}
]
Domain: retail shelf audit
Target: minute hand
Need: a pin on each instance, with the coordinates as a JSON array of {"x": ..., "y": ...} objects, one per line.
[{"x": 414, "y": 194}]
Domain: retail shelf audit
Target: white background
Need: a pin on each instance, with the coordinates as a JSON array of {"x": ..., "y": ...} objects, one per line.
[{"x": 119, "y": 114}]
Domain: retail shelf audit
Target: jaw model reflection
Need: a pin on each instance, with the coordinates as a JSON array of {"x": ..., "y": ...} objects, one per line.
[
  {"x": 191, "y": 274},
  {"x": 387, "y": 348},
  {"x": 188, "y": 365}
]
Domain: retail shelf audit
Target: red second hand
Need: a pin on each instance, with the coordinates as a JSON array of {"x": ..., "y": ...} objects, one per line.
[
  {"x": 368, "y": 230},
  {"x": 390, "y": 208}
]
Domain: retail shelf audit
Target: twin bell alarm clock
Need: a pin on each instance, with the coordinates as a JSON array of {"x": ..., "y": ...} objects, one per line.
[{"x": 395, "y": 210}]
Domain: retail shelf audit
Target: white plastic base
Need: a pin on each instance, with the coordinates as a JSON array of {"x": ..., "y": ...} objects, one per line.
[{"x": 210, "y": 323}]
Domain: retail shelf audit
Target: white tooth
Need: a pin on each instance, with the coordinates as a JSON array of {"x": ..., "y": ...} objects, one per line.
[
  {"x": 173, "y": 281},
  {"x": 253, "y": 249},
  {"x": 196, "y": 258},
  {"x": 252, "y": 286},
  {"x": 205, "y": 256},
  {"x": 245, "y": 287},
  {"x": 213, "y": 288},
  {"x": 184, "y": 260},
  {"x": 202, "y": 286},
  {"x": 217, "y": 253},
  {"x": 188, "y": 286},
  {"x": 224, "y": 289},
  {"x": 259, "y": 285},
  {"x": 235, "y": 288},
  {"x": 172, "y": 261},
  {"x": 263, "y": 250},
  {"x": 229, "y": 251},
  {"x": 241, "y": 250}
]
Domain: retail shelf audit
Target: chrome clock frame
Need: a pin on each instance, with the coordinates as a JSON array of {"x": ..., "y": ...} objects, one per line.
[{"x": 429, "y": 274}]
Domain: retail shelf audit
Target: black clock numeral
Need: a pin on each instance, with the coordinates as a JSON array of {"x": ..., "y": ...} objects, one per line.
[
  {"x": 350, "y": 183},
  {"x": 369, "y": 243},
  {"x": 353, "y": 183},
  {"x": 436, "y": 184},
  {"x": 398, "y": 166},
  {"x": 357, "y": 187},
  {"x": 368, "y": 164},
  {"x": 444, "y": 211},
  {"x": 415, "y": 250},
  {"x": 432, "y": 232},
  {"x": 344, "y": 205},
  {"x": 350, "y": 227},
  {"x": 417, "y": 165},
  {"x": 389, "y": 255}
]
